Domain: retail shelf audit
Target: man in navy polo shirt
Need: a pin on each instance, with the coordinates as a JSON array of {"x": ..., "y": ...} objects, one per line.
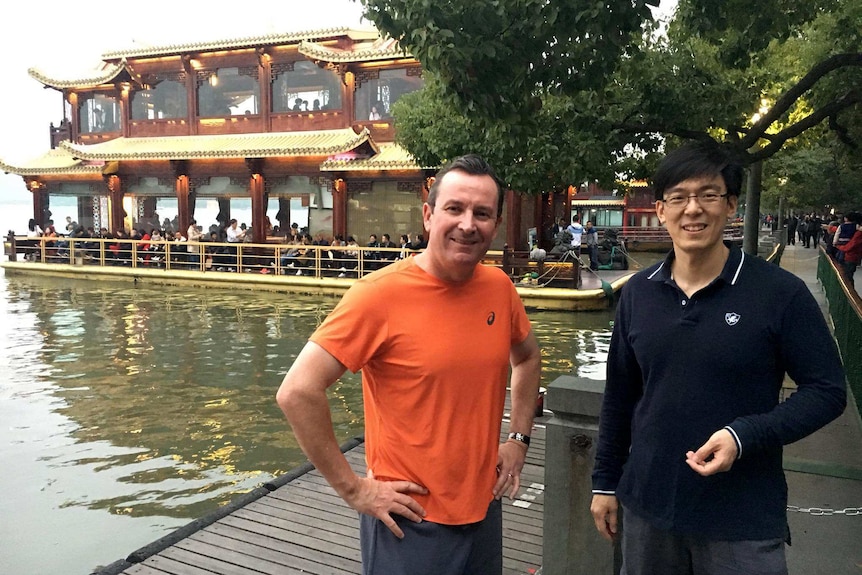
[{"x": 691, "y": 429}]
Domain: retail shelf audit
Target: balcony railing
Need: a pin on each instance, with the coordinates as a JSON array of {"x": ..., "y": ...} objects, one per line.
[{"x": 279, "y": 259}]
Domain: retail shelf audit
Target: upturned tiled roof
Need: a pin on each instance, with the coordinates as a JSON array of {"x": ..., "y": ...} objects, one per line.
[
  {"x": 55, "y": 162},
  {"x": 271, "y": 145},
  {"x": 247, "y": 42},
  {"x": 390, "y": 157},
  {"x": 96, "y": 77},
  {"x": 378, "y": 49}
]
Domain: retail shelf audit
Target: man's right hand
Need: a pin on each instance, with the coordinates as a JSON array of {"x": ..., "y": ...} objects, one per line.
[
  {"x": 604, "y": 509},
  {"x": 382, "y": 498}
]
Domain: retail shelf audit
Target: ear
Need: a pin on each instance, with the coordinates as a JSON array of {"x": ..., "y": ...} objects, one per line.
[
  {"x": 659, "y": 211},
  {"x": 427, "y": 212},
  {"x": 732, "y": 205}
]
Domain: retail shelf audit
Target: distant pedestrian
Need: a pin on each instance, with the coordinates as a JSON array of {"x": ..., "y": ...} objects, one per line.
[
  {"x": 592, "y": 241},
  {"x": 577, "y": 231}
]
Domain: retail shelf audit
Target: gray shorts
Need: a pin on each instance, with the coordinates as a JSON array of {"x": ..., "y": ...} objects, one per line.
[
  {"x": 647, "y": 550},
  {"x": 433, "y": 548}
]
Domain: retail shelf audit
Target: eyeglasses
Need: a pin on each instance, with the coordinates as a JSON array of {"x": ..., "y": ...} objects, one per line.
[{"x": 704, "y": 199}]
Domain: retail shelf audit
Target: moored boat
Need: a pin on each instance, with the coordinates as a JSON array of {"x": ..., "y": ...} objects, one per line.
[{"x": 325, "y": 270}]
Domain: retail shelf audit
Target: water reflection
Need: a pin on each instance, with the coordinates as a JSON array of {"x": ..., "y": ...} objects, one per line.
[{"x": 159, "y": 403}]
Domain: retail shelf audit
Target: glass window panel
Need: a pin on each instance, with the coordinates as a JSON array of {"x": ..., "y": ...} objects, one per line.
[
  {"x": 304, "y": 87},
  {"x": 375, "y": 97},
  {"x": 228, "y": 92},
  {"x": 98, "y": 113},
  {"x": 163, "y": 100}
]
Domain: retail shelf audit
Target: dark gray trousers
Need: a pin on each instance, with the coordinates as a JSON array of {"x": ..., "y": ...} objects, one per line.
[
  {"x": 651, "y": 551},
  {"x": 432, "y": 548}
]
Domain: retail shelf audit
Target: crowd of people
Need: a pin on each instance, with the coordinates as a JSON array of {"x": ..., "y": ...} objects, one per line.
[
  {"x": 840, "y": 235},
  {"x": 298, "y": 258},
  {"x": 843, "y": 239}
]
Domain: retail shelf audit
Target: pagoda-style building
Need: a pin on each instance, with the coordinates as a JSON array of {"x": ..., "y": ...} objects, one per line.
[{"x": 302, "y": 118}]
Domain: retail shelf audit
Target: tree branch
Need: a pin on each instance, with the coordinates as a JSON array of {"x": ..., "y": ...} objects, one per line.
[
  {"x": 849, "y": 99},
  {"x": 785, "y": 102},
  {"x": 661, "y": 129}
]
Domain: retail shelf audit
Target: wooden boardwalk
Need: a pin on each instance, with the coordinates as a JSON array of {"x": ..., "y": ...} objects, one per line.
[{"x": 304, "y": 527}]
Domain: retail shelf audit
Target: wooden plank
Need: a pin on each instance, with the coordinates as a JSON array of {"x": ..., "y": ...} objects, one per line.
[
  {"x": 264, "y": 559},
  {"x": 205, "y": 562},
  {"x": 322, "y": 529},
  {"x": 159, "y": 565},
  {"x": 286, "y": 546},
  {"x": 348, "y": 549},
  {"x": 142, "y": 569},
  {"x": 336, "y": 523}
]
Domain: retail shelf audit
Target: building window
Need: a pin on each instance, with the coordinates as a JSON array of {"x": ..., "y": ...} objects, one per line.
[
  {"x": 164, "y": 99},
  {"x": 304, "y": 87},
  {"x": 378, "y": 90},
  {"x": 98, "y": 113},
  {"x": 228, "y": 92}
]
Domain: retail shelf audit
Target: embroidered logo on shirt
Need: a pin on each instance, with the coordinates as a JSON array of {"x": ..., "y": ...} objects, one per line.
[
  {"x": 491, "y": 318},
  {"x": 731, "y": 318}
]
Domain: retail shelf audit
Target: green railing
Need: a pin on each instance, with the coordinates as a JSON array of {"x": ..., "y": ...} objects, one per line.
[{"x": 845, "y": 308}]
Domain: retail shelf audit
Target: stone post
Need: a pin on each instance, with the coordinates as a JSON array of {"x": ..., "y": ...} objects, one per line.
[{"x": 571, "y": 543}]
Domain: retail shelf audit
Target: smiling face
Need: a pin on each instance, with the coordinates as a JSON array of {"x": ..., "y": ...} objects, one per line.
[
  {"x": 462, "y": 224},
  {"x": 697, "y": 227}
]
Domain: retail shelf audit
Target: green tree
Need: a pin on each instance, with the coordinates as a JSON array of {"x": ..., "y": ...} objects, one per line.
[{"x": 553, "y": 107}]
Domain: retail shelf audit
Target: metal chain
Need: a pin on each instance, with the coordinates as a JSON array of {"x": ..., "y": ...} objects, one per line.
[{"x": 820, "y": 511}]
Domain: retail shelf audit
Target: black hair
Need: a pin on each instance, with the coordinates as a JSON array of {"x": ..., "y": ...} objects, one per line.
[
  {"x": 474, "y": 165},
  {"x": 696, "y": 159}
]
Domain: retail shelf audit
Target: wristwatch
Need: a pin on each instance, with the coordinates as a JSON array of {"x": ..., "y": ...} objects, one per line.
[{"x": 525, "y": 439}]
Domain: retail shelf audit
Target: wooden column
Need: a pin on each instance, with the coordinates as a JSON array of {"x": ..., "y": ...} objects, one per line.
[
  {"x": 265, "y": 75},
  {"x": 115, "y": 197},
  {"x": 125, "y": 114},
  {"x": 181, "y": 187},
  {"x": 513, "y": 223},
  {"x": 339, "y": 207},
  {"x": 75, "y": 120},
  {"x": 41, "y": 204},
  {"x": 191, "y": 95},
  {"x": 256, "y": 189}
]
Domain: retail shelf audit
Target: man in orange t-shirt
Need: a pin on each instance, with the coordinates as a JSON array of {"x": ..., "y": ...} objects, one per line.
[{"x": 435, "y": 337}]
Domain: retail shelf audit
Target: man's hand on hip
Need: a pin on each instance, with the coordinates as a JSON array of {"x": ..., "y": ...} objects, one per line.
[{"x": 381, "y": 499}]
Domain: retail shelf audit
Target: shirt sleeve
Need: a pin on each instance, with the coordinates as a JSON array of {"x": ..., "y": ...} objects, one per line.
[
  {"x": 356, "y": 328},
  {"x": 811, "y": 358},
  {"x": 623, "y": 389}
]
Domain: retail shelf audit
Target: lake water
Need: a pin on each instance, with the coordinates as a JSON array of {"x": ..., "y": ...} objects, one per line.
[{"x": 127, "y": 411}]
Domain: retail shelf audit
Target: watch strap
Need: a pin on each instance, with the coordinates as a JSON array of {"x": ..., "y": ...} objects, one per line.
[{"x": 525, "y": 439}]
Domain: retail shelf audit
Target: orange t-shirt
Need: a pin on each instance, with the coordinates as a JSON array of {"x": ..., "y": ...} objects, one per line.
[{"x": 435, "y": 362}]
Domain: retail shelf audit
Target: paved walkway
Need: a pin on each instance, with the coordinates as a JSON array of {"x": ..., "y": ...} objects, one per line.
[{"x": 824, "y": 471}]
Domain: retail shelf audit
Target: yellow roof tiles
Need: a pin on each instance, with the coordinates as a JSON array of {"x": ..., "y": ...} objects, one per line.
[
  {"x": 269, "y": 145},
  {"x": 249, "y": 42},
  {"x": 95, "y": 77},
  {"x": 390, "y": 157},
  {"x": 379, "y": 49},
  {"x": 54, "y": 162}
]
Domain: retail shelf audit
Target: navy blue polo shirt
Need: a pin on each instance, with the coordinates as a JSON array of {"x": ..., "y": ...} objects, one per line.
[{"x": 680, "y": 369}]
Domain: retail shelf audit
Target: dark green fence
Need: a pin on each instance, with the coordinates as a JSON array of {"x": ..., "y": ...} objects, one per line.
[{"x": 845, "y": 308}]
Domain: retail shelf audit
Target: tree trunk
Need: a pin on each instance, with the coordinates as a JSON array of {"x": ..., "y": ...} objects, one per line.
[{"x": 751, "y": 228}]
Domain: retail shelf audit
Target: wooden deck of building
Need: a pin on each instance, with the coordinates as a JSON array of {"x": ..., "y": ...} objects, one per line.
[{"x": 304, "y": 527}]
